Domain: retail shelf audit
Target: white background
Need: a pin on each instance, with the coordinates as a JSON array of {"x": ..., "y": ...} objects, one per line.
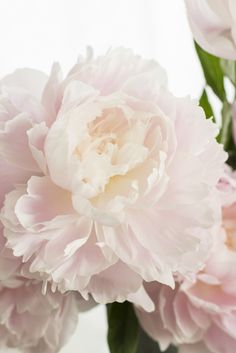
[{"x": 35, "y": 33}]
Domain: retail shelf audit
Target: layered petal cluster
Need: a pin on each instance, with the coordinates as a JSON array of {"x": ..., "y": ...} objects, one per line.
[
  {"x": 32, "y": 318},
  {"x": 108, "y": 179},
  {"x": 213, "y": 23},
  {"x": 34, "y": 322},
  {"x": 200, "y": 316}
]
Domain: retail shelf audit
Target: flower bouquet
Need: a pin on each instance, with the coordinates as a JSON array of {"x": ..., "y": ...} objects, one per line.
[{"x": 115, "y": 192}]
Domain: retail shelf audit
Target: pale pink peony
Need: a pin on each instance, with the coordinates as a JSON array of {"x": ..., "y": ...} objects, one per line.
[
  {"x": 111, "y": 179},
  {"x": 200, "y": 316},
  {"x": 33, "y": 322},
  {"x": 33, "y": 318},
  {"x": 30, "y": 320},
  {"x": 213, "y": 23}
]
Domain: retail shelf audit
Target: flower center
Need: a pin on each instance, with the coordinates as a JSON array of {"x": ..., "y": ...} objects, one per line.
[
  {"x": 111, "y": 146},
  {"x": 231, "y": 238}
]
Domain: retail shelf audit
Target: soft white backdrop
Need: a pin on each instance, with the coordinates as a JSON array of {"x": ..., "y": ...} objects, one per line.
[{"x": 35, "y": 33}]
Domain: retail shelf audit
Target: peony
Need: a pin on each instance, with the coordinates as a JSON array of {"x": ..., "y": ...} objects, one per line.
[
  {"x": 213, "y": 24},
  {"x": 33, "y": 318},
  {"x": 110, "y": 179},
  {"x": 200, "y": 316},
  {"x": 33, "y": 322},
  {"x": 30, "y": 320}
]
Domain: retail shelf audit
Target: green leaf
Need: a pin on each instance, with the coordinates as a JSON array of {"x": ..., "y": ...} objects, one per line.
[
  {"x": 229, "y": 69},
  {"x": 205, "y": 104},
  {"x": 171, "y": 349},
  {"x": 225, "y": 135},
  {"x": 147, "y": 345},
  {"x": 123, "y": 328},
  {"x": 213, "y": 72},
  {"x": 232, "y": 158}
]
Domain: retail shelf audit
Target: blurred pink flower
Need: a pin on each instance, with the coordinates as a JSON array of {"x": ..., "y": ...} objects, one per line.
[
  {"x": 200, "y": 316},
  {"x": 213, "y": 24},
  {"x": 108, "y": 179},
  {"x": 33, "y": 322}
]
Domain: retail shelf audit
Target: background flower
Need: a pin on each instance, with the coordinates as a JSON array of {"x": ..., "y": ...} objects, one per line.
[
  {"x": 200, "y": 316},
  {"x": 36, "y": 322},
  {"x": 213, "y": 24}
]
